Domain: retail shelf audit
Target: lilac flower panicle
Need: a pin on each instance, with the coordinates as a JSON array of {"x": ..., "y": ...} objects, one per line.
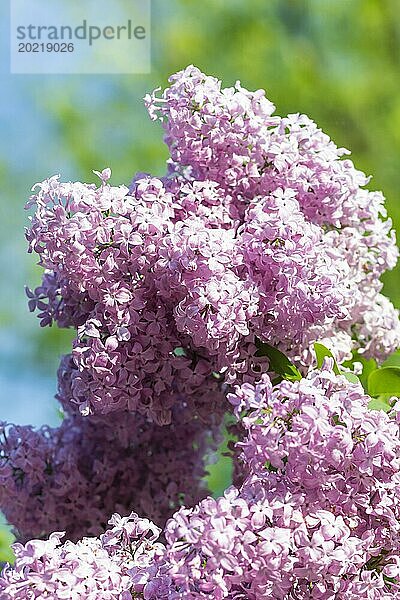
[
  {"x": 262, "y": 228},
  {"x": 73, "y": 477},
  {"x": 92, "y": 568}
]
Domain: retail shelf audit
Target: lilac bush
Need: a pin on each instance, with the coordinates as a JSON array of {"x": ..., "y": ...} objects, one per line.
[{"x": 190, "y": 295}]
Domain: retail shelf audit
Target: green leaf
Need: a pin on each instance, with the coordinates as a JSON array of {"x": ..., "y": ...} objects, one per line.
[
  {"x": 179, "y": 352},
  {"x": 368, "y": 366},
  {"x": 352, "y": 377},
  {"x": 393, "y": 360},
  {"x": 384, "y": 381},
  {"x": 322, "y": 352},
  {"x": 6, "y": 539},
  {"x": 220, "y": 464},
  {"x": 380, "y": 403},
  {"x": 278, "y": 362}
]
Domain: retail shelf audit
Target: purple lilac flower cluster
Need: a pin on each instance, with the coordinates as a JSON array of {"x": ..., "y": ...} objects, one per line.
[
  {"x": 74, "y": 477},
  {"x": 318, "y": 513},
  {"x": 259, "y": 230},
  {"x": 91, "y": 569},
  {"x": 317, "y": 516},
  {"x": 100, "y": 248},
  {"x": 288, "y": 190}
]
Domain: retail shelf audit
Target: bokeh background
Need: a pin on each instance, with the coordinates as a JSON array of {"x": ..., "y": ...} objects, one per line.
[{"x": 336, "y": 60}]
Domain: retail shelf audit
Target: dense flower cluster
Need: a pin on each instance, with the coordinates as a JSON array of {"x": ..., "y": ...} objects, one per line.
[
  {"x": 232, "y": 137},
  {"x": 102, "y": 246},
  {"x": 91, "y": 569},
  {"x": 259, "y": 230},
  {"x": 318, "y": 513},
  {"x": 72, "y": 478},
  {"x": 316, "y": 517}
]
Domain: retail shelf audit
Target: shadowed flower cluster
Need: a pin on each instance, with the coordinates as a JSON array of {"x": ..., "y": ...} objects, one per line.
[{"x": 73, "y": 477}]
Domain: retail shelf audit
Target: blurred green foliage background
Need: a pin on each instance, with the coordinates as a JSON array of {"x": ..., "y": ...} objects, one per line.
[{"x": 336, "y": 60}]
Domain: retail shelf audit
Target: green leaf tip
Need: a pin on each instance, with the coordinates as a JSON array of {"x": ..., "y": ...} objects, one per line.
[
  {"x": 278, "y": 362},
  {"x": 384, "y": 381},
  {"x": 322, "y": 352}
]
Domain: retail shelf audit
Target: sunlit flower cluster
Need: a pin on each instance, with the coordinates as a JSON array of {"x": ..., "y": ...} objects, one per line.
[{"x": 259, "y": 230}]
